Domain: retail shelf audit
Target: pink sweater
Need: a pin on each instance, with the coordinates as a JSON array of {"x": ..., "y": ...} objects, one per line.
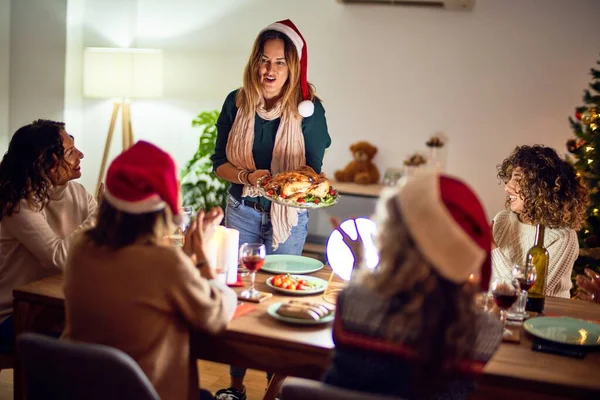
[
  {"x": 34, "y": 244},
  {"x": 143, "y": 299}
]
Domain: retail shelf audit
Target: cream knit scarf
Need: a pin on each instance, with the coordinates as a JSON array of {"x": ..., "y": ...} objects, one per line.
[{"x": 288, "y": 155}]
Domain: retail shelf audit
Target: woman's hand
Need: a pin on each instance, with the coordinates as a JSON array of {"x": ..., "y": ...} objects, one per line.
[
  {"x": 253, "y": 177},
  {"x": 590, "y": 288},
  {"x": 356, "y": 246},
  {"x": 200, "y": 231}
]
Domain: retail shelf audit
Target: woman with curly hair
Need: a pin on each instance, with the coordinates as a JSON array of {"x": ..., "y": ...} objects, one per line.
[
  {"x": 41, "y": 210},
  {"x": 411, "y": 329},
  {"x": 541, "y": 188}
]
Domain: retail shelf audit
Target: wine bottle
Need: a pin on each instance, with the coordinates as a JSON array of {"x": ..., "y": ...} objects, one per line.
[{"x": 538, "y": 258}]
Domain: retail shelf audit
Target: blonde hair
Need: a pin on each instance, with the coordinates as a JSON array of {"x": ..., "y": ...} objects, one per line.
[
  {"x": 443, "y": 309},
  {"x": 249, "y": 95}
]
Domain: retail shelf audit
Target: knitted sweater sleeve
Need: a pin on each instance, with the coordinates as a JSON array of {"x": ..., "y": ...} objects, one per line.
[
  {"x": 501, "y": 263},
  {"x": 206, "y": 305},
  {"x": 31, "y": 228}
]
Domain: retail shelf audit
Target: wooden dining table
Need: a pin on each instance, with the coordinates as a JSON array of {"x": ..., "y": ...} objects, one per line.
[{"x": 256, "y": 340}]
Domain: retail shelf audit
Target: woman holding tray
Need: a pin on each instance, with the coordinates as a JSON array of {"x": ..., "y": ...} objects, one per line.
[{"x": 273, "y": 123}]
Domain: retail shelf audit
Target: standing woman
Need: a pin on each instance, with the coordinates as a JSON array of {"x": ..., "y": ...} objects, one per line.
[
  {"x": 41, "y": 210},
  {"x": 273, "y": 123}
]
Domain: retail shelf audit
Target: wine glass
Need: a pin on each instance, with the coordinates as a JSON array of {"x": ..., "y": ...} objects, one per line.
[
  {"x": 187, "y": 215},
  {"x": 505, "y": 292},
  {"x": 525, "y": 275},
  {"x": 252, "y": 257}
]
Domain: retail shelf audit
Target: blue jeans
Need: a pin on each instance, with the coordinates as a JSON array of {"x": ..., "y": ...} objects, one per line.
[
  {"x": 255, "y": 227},
  {"x": 7, "y": 336}
]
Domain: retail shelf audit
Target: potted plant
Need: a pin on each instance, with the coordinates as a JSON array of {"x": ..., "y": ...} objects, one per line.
[{"x": 200, "y": 187}]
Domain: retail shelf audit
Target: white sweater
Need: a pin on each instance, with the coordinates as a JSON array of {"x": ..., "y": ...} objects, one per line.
[
  {"x": 515, "y": 238},
  {"x": 34, "y": 244}
]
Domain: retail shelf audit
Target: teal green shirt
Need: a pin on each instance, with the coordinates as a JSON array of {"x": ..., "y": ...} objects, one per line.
[{"x": 314, "y": 129}]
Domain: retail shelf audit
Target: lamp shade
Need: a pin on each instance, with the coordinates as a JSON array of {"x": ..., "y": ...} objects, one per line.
[
  {"x": 339, "y": 255},
  {"x": 112, "y": 72}
]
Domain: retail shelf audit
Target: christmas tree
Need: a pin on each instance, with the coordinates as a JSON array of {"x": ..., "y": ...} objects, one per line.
[{"x": 586, "y": 159}]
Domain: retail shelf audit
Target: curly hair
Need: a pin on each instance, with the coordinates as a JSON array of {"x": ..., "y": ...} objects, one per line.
[
  {"x": 443, "y": 310},
  {"x": 552, "y": 193},
  {"x": 25, "y": 170}
]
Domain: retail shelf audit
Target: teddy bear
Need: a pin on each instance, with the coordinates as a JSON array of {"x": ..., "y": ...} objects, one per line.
[{"x": 360, "y": 170}]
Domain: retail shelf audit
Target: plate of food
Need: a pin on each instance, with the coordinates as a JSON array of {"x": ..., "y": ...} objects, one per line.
[
  {"x": 301, "y": 188},
  {"x": 289, "y": 264},
  {"x": 296, "y": 285},
  {"x": 302, "y": 312}
]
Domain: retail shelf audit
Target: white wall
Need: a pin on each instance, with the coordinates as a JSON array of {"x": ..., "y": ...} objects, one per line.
[
  {"x": 37, "y": 61},
  {"x": 4, "y": 73},
  {"x": 509, "y": 72}
]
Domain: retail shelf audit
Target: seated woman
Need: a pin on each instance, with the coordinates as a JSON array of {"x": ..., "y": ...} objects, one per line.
[
  {"x": 126, "y": 287},
  {"x": 541, "y": 188},
  {"x": 410, "y": 328},
  {"x": 41, "y": 210}
]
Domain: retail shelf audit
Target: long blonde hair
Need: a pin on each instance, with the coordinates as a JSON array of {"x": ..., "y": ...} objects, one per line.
[
  {"x": 249, "y": 95},
  {"x": 443, "y": 309}
]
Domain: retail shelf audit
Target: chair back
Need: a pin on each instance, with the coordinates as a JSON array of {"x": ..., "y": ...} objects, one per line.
[
  {"x": 301, "y": 389},
  {"x": 6, "y": 361},
  {"x": 58, "y": 369}
]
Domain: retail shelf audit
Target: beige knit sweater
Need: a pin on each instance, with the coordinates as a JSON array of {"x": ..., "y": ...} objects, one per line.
[
  {"x": 143, "y": 299},
  {"x": 515, "y": 238},
  {"x": 34, "y": 244}
]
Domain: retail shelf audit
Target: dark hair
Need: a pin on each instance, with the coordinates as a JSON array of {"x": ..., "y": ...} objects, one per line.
[
  {"x": 116, "y": 229},
  {"x": 25, "y": 168},
  {"x": 554, "y": 195}
]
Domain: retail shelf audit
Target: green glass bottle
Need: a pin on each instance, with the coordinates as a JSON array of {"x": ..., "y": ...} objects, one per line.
[{"x": 538, "y": 258}]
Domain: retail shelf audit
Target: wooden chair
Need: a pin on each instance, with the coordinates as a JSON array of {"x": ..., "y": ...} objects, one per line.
[
  {"x": 301, "y": 389},
  {"x": 56, "y": 369}
]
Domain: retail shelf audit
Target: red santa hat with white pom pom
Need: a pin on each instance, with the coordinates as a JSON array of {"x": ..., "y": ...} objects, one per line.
[
  {"x": 143, "y": 179},
  {"x": 306, "y": 108}
]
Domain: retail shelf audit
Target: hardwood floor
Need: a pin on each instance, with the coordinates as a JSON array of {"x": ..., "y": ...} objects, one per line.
[{"x": 213, "y": 377}]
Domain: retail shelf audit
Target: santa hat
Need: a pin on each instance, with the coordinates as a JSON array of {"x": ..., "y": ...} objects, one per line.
[
  {"x": 306, "y": 108},
  {"x": 143, "y": 179},
  {"x": 449, "y": 225}
]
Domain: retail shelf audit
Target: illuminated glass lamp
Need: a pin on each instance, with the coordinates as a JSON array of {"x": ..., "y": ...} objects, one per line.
[{"x": 339, "y": 255}]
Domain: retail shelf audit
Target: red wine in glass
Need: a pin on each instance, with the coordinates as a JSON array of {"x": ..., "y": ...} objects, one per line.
[
  {"x": 524, "y": 284},
  {"x": 505, "y": 301},
  {"x": 253, "y": 263}
]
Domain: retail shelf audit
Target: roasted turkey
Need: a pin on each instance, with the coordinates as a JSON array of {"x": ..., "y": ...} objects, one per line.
[{"x": 299, "y": 183}]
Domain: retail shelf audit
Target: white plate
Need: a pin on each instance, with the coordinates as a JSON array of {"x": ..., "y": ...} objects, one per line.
[
  {"x": 272, "y": 311},
  {"x": 286, "y": 264},
  {"x": 321, "y": 285}
]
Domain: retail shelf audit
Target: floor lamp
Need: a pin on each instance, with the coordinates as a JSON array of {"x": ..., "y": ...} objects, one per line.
[{"x": 122, "y": 74}]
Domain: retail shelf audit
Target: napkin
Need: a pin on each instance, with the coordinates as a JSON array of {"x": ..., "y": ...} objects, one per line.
[{"x": 560, "y": 349}]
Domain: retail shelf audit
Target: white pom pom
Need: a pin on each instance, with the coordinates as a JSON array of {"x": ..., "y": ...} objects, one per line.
[{"x": 306, "y": 108}]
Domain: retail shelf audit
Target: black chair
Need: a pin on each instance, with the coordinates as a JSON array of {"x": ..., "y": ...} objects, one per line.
[
  {"x": 301, "y": 389},
  {"x": 57, "y": 369}
]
